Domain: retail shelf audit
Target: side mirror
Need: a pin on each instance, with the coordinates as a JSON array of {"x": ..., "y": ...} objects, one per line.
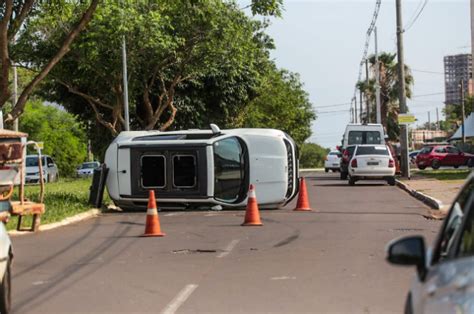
[{"x": 408, "y": 251}]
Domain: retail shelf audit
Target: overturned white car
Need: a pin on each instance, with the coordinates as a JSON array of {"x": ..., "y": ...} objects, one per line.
[{"x": 202, "y": 168}]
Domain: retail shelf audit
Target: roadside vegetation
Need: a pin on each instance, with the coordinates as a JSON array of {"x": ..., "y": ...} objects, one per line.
[
  {"x": 312, "y": 155},
  {"x": 445, "y": 175},
  {"x": 63, "y": 199}
]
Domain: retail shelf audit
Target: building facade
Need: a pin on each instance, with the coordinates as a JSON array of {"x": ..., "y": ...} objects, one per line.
[{"x": 457, "y": 68}]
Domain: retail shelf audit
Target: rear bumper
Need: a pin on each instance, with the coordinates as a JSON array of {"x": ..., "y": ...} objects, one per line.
[
  {"x": 331, "y": 165},
  {"x": 379, "y": 173}
]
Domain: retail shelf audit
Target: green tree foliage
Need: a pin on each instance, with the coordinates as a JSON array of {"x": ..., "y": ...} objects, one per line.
[
  {"x": 171, "y": 45},
  {"x": 312, "y": 155},
  {"x": 64, "y": 138},
  {"x": 13, "y": 14},
  {"x": 282, "y": 104},
  {"x": 453, "y": 114},
  {"x": 388, "y": 91}
]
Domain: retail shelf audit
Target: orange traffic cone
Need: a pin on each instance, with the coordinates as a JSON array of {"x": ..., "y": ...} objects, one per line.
[
  {"x": 303, "y": 203},
  {"x": 252, "y": 215},
  {"x": 152, "y": 227}
]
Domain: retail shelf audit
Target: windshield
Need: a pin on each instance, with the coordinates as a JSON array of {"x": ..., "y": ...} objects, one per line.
[
  {"x": 89, "y": 165},
  {"x": 32, "y": 161}
]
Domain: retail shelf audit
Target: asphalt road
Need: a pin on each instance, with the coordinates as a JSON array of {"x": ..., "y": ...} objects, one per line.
[{"x": 325, "y": 261}]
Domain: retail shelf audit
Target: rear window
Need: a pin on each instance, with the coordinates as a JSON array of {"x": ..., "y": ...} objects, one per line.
[
  {"x": 372, "y": 150},
  {"x": 426, "y": 150},
  {"x": 364, "y": 137},
  {"x": 335, "y": 154}
]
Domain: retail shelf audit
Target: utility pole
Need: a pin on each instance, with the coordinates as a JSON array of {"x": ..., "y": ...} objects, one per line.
[
  {"x": 377, "y": 80},
  {"x": 405, "y": 165},
  {"x": 437, "y": 119},
  {"x": 360, "y": 105},
  {"x": 367, "y": 100},
  {"x": 125, "y": 84},
  {"x": 355, "y": 109},
  {"x": 463, "y": 135},
  {"x": 429, "y": 121}
]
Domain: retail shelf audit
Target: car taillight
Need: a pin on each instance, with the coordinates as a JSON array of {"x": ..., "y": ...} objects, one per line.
[
  {"x": 391, "y": 163},
  {"x": 354, "y": 163}
]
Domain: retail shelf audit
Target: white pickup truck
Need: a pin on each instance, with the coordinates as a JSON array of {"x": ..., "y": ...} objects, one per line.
[{"x": 202, "y": 168}]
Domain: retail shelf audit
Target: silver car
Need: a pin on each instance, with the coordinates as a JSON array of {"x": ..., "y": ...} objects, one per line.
[
  {"x": 50, "y": 169},
  {"x": 86, "y": 169},
  {"x": 445, "y": 274}
]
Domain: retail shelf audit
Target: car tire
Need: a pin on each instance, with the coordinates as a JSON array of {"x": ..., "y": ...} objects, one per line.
[
  {"x": 421, "y": 167},
  {"x": 326, "y": 170},
  {"x": 343, "y": 175},
  {"x": 470, "y": 163},
  {"x": 435, "y": 164},
  {"x": 391, "y": 181},
  {"x": 352, "y": 181},
  {"x": 456, "y": 167},
  {"x": 5, "y": 290}
]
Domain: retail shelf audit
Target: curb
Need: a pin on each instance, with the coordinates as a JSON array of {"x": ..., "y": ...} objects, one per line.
[
  {"x": 67, "y": 221},
  {"x": 428, "y": 200}
]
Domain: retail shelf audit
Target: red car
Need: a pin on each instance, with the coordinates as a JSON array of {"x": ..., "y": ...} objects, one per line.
[{"x": 443, "y": 155}]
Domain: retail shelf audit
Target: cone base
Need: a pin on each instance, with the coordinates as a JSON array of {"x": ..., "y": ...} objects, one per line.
[
  {"x": 149, "y": 235},
  {"x": 302, "y": 209},
  {"x": 252, "y": 224}
]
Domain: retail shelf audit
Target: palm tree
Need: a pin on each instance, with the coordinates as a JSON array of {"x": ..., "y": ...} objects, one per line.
[{"x": 389, "y": 105}]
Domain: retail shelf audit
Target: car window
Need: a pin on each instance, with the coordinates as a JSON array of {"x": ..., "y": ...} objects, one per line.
[
  {"x": 31, "y": 161},
  {"x": 440, "y": 150},
  {"x": 364, "y": 137},
  {"x": 453, "y": 223},
  {"x": 452, "y": 150},
  {"x": 426, "y": 150},
  {"x": 372, "y": 150},
  {"x": 49, "y": 161}
]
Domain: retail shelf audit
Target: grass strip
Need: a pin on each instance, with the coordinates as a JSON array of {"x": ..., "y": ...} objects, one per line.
[
  {"x": 445, "y": 175},
  {"x": 62, "y": 199}
]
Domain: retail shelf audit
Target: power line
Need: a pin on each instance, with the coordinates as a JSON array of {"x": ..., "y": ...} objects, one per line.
[
  {"x": 410, "y": 24},
  {"x": 424, "y": 95},
  {"x": 334, "y": 105},
  {"x": 430, "y": 72}
]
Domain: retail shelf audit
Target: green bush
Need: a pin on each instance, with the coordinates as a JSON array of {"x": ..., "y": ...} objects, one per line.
[
  {"x": 312, "y": 155},
  {"x": 63, "y": 137}
]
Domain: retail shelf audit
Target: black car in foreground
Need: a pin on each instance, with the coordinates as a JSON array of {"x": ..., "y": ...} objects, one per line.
[{"x": 445, "y": 274}]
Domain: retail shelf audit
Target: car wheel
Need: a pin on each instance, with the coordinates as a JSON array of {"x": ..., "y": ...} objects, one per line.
[
  {"x": 326, "y": 170},
  {"x": 456, "y": 167},
  {"x": 470, "y": 163},
  {"x": 352, "y": 180},
  {"x": 391, "y": 181},
  {"x": 422, "y": 167},
  {"x": 343, "y": 175},
  {"x": 5, "y": 290},
  {"x": 435, "y": 164}
]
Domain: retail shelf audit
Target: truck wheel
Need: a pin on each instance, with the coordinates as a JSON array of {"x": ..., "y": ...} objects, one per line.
[{"x": 5, "y": 290}]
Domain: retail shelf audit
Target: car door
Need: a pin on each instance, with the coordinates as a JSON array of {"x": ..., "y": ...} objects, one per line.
[
  {"x": 445, "y": 275},
  {"x": 441, "y": 154},
  {"x": 454, "y": 156}
]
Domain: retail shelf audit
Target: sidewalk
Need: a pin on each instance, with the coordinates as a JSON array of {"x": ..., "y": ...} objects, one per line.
[{"x": 437, "y": 194}]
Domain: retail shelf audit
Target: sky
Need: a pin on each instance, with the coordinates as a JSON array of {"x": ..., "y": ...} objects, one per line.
[{"x": 323, "y": 41}]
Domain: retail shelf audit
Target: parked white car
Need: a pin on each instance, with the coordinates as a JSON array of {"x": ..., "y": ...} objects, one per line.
[
  {"x": 202, "y": 168},
  {"x": 332, "y": 161},
  {"x": 86, "y": 169},
  {"x": 372, "y": 162},
  {"x": 50, "y": 169},
  {"x": 6, "y": 256}
]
